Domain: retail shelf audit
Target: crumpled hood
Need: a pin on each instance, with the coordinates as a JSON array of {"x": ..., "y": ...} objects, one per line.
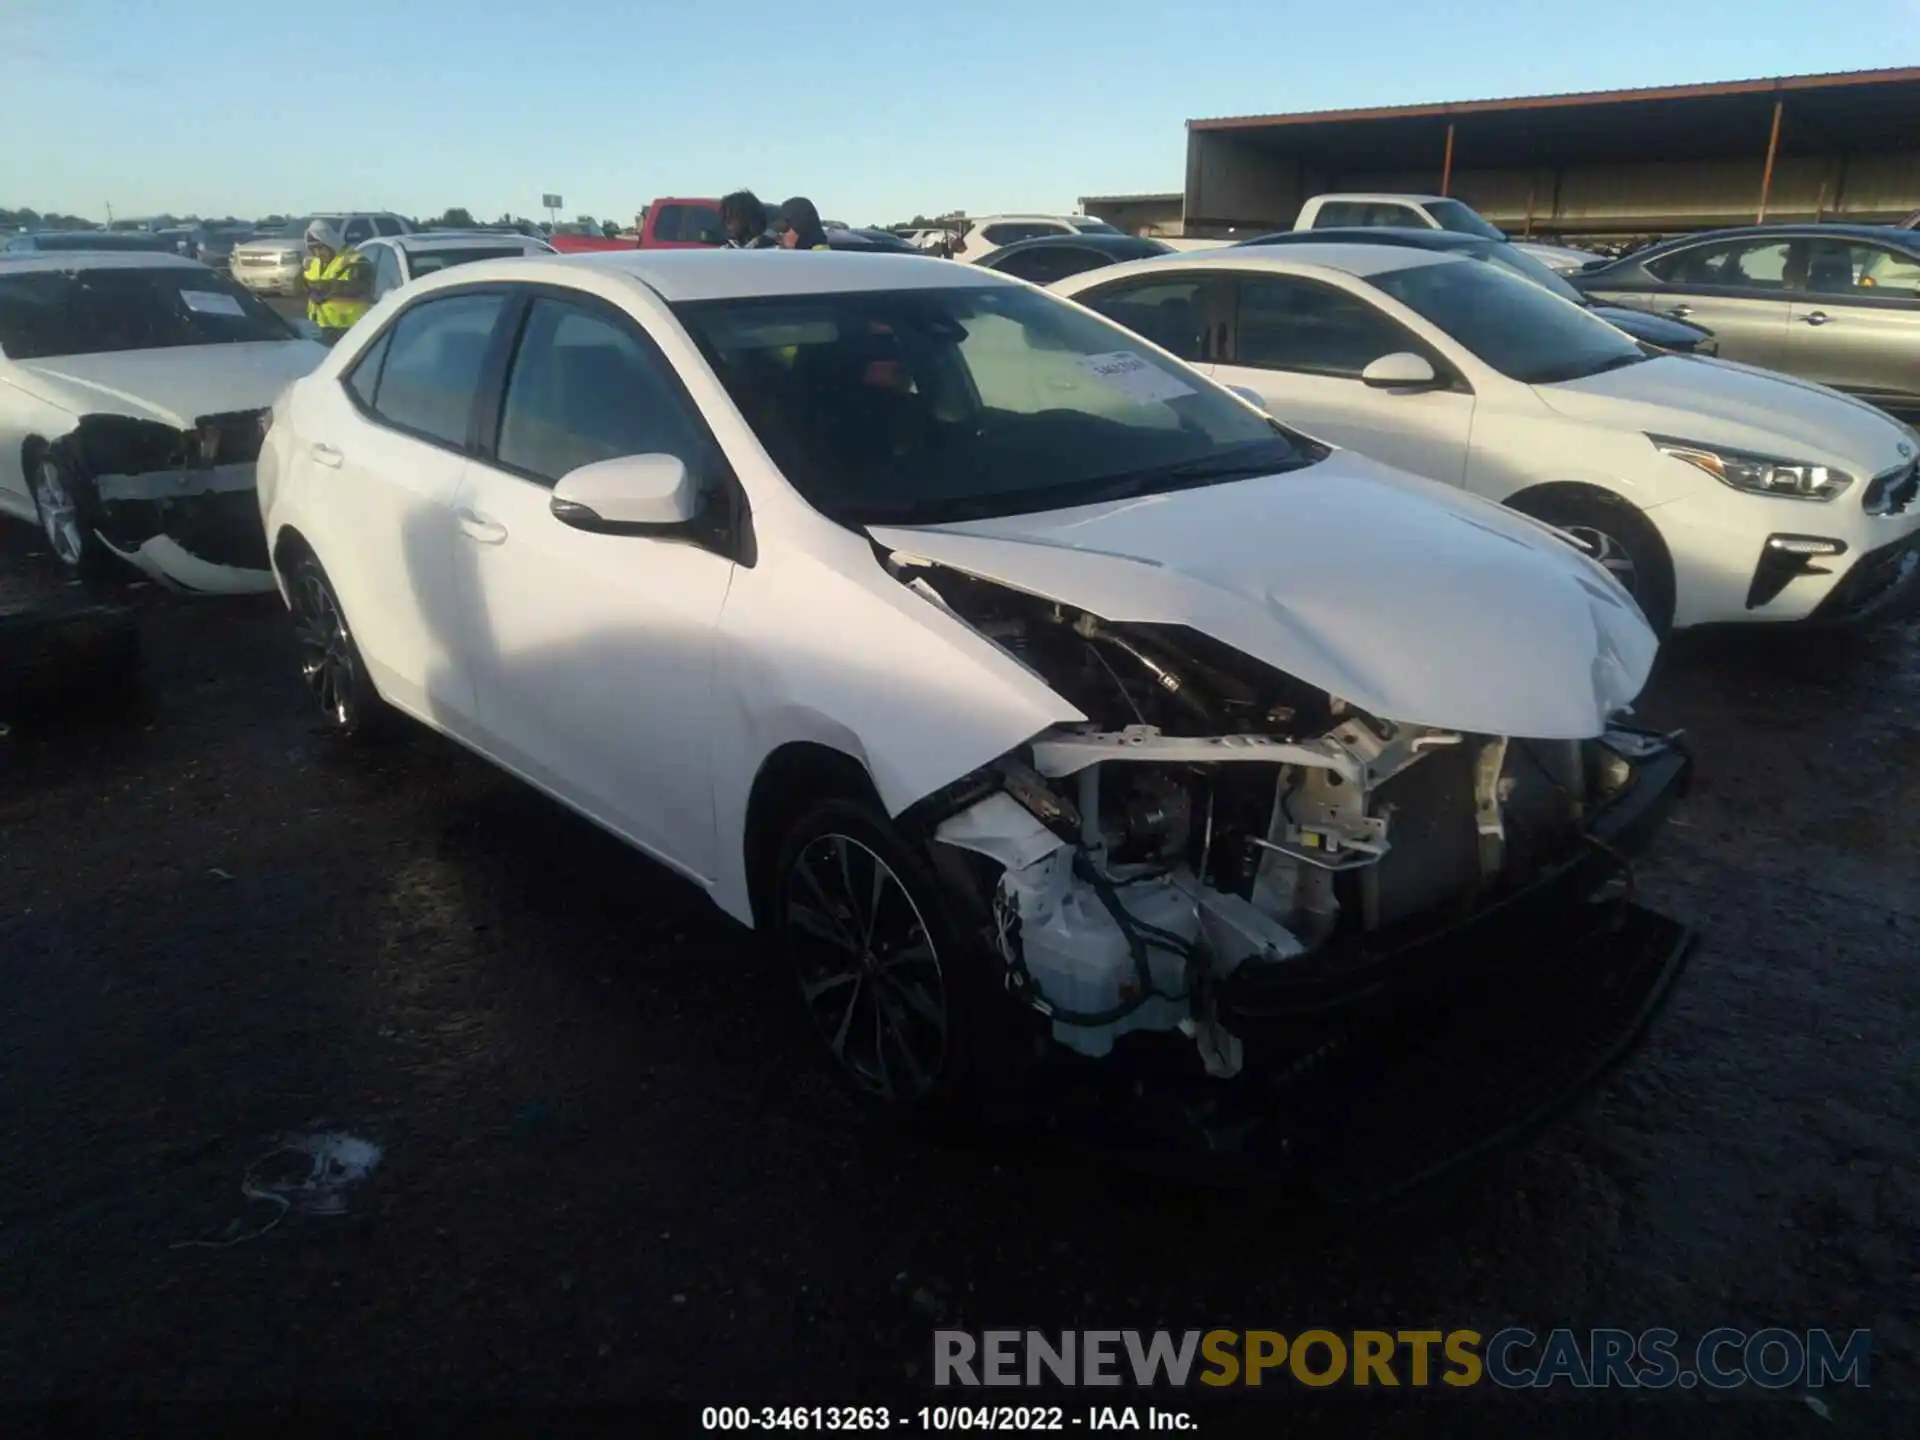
[
  {"x": 1410, "y": 600},
  {"x": 174, "y": 386},
  {"x": 1719, "y": 402}
]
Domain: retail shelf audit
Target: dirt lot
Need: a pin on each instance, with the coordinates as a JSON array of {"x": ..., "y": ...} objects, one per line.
[{"x": 609, "y": 1172}]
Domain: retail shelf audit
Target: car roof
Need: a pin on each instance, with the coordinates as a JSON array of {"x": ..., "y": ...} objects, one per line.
[
  {"x": 1378, "y": 195},
  {"x": 1121, "y": 247},
  {"x": 454, "y": 239},
  {"x": 1421, "y": 239},
  {"x": 99, "y": 260},
  {"x": 1354, "y": 258},
  {"x": 979, "y": 220},
  {"x": 677, "y": 275}
]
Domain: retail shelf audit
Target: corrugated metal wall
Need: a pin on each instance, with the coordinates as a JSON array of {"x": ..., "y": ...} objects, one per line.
[{"x": 1230, "y": 181}]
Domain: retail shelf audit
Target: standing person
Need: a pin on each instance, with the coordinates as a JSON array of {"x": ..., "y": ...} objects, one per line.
[
  {"x": 745, "y": 221},
  {"x": 339, "y": 281},
  {"x": 799, "y": 227}
]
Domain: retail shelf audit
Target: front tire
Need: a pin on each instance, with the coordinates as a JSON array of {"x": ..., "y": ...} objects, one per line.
[
  {"x": 330, "y": 663},
  {"x": 890, "y": 979},
  {"x": 1624, "y": 542},
  {"x": 64, "y": 508}
]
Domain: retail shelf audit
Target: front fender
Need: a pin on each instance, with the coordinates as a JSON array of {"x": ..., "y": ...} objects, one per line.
[{"x": 823, "y": 645}]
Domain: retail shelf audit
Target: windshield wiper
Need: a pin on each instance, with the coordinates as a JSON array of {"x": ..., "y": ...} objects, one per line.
[{"x": 1615, "y": 363}]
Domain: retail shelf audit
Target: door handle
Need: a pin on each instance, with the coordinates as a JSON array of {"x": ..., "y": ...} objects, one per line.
[
  {"x": 325, "y": 454},
  {"x": 479, "y": 528},
  {"x": 1680, "y": 312},
  {"x": 1818, "y": 317}
]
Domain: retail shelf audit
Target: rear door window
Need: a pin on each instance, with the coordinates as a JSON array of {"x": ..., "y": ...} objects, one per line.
[
  {"x": 1852, "y": 269},
  {"x": 388, "y": 225},
  {"x": 1174, "y": 314},
  {"x": 432, "y": 370}
]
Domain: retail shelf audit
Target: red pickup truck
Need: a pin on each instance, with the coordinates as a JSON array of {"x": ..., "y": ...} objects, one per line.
[
  {"x": 668, "y": 224},
  {"x": 573, "y": 240}
]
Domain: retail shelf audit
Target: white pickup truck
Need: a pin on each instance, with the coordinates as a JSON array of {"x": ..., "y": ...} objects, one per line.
[{"x": 1426, "y": 212}]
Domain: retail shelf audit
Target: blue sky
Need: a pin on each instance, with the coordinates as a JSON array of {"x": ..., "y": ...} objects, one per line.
[{"x": 875, "y": 108}]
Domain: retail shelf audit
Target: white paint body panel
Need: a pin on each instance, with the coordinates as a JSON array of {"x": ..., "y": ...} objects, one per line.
[{"x": 1507, "y": 436}]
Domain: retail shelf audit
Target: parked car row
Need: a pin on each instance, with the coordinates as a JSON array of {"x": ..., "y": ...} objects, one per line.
[{"x": 1205, "y": 650}]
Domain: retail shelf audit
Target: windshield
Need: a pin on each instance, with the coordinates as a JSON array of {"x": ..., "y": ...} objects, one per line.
[
  {"x": 1462, "y": 220},
  {"x": 89, "y": 312},
  {"x": 1510, "y": 323},
  {"x": 425, "y": 262},
  {"x": 1529, "y": 267},
  {"x": 920, "y": 406}
]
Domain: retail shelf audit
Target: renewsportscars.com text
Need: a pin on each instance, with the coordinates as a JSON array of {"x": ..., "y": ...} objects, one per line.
[{"x": 1513, "y": 1358}]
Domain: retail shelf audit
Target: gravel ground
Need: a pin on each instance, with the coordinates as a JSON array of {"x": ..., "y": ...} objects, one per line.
[{"x": 610, "y": 1172}]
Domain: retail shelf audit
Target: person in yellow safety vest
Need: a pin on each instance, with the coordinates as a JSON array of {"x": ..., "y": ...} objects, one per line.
[{"x": 339, "y": 281}]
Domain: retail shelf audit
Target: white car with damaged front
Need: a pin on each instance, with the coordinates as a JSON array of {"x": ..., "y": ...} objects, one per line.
[
  {"x": 134, "y": 391},
  {"x": 1022, "y": 685},
  {"x": 1714, "y": 491}
]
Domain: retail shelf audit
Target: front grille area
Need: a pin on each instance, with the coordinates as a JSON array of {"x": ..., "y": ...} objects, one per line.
[
  {"x": 1892, "y": 492},
  {"x": 1871, "y": 582}
]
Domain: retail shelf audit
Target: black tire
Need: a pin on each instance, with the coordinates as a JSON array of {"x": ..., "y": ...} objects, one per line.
[
  {"x": 1616, "y": 534},
  {"x": 919, "y": 1035},
  {"x": 348, "y": 706},
  {"x": 65, "y": 505}
]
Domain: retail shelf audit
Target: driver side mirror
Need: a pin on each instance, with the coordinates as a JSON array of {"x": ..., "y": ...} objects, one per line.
[
  {"x": 1252, "y": 397},
  {"x": 1402, "y": 370},
  {"x": 628, "y": 495}
]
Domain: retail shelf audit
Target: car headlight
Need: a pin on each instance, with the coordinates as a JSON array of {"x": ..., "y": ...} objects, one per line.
[{"x": 1758, "y": 474}]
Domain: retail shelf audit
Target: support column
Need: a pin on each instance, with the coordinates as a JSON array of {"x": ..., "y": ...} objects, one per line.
[{"x": 1766, "y": 179}]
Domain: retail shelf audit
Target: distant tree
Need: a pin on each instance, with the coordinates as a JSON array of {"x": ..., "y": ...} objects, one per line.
[
  {"x": 610, "y": 229},
  {"x": 456, "y": 217}
]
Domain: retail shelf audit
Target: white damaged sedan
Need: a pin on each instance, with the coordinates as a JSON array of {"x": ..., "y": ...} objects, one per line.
[
  {"x": 1039, "y": 699},
  {"x": 133, "y": 394}
]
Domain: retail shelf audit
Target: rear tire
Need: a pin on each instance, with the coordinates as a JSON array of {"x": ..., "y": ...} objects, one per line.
[
  {"x": 1623, "y": 540},
  {"x": 331, "y": 666}
]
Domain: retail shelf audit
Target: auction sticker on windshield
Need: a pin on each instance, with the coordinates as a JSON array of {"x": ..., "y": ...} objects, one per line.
[
  {"x": 212, "y": 302},
  {"x": 1133, "y": 377}
]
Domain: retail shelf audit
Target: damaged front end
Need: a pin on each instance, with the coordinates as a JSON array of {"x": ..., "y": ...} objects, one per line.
[
  {"x": 1245, "y": 878},
  {"x": 177, "y": 504}
]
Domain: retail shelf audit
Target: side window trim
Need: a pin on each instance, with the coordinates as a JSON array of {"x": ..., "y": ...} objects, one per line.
[{"x": 383, "y": 343}]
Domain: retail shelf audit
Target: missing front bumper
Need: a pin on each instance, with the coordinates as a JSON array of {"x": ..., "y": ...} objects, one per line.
[{"x": 1380, "y": 1065}]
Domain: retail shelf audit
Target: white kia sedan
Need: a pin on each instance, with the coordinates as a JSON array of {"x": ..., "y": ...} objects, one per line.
[
  {"x": 1713, "y": 491},
  {"x": 133, "y": 395},
  {"x": 1028, "y": 689}
]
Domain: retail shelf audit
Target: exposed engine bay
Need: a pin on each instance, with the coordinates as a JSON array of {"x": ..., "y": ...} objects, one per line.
[
  {"x": 179, "y": 505},
  {"x": 1215, "y": 812}
]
